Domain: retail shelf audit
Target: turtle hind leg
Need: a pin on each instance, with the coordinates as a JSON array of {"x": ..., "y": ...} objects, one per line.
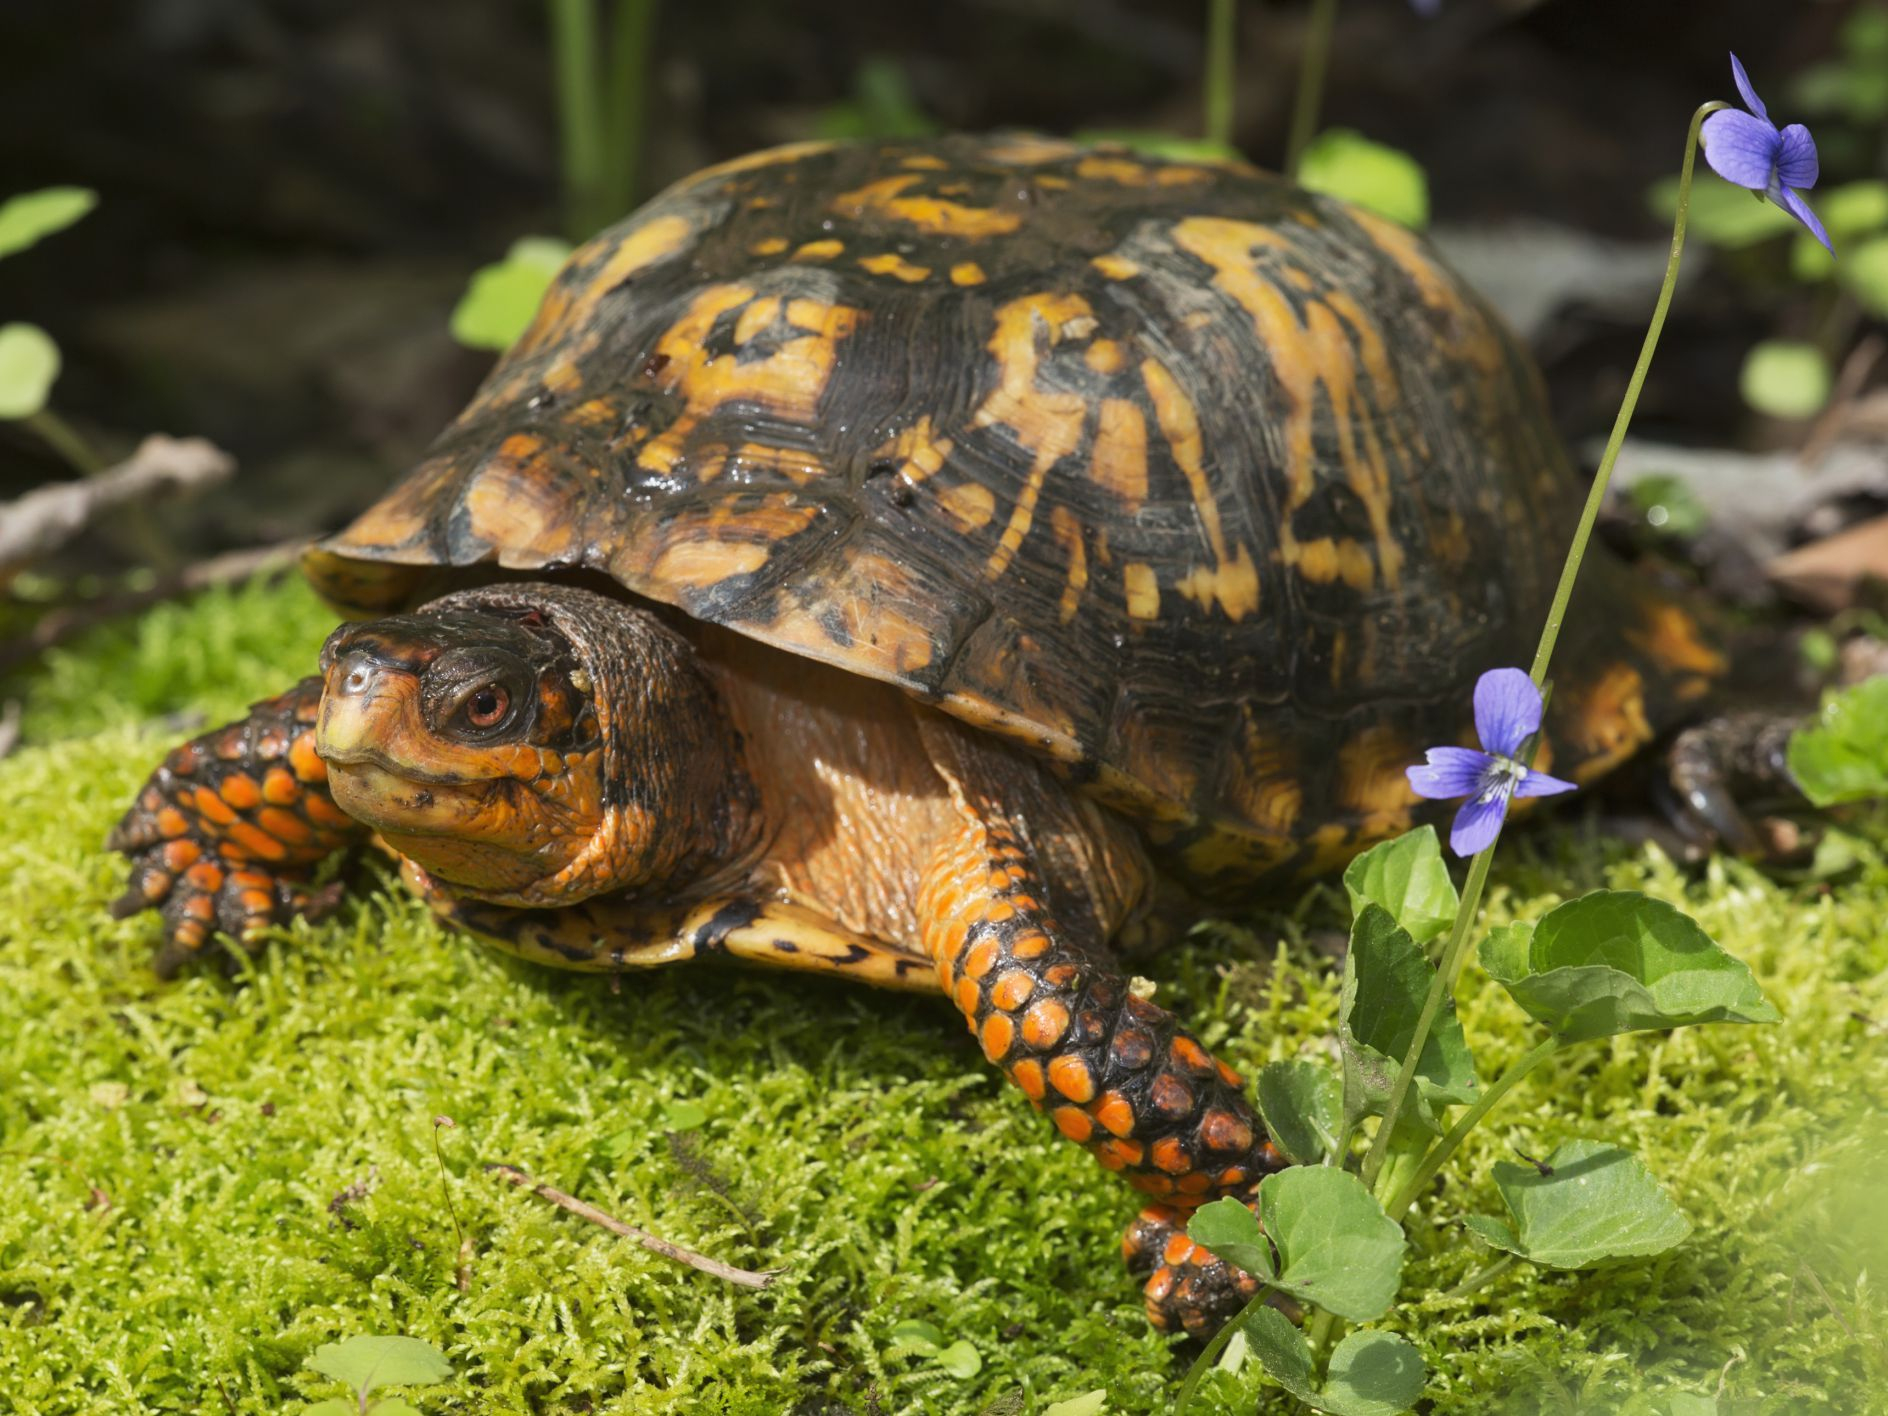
[
  {"x": 227, "y": 831},
  {"x": 1715, "y": 771}
]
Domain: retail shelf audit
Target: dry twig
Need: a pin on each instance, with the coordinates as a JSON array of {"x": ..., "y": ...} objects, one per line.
[
  {"x": 747, "y": 1278},
  {"x": 226, "y": 569},
  {"x": 45, "y": 519}
]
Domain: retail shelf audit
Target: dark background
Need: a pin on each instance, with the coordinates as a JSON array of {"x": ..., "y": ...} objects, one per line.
[{"x": 294, "y": 192}]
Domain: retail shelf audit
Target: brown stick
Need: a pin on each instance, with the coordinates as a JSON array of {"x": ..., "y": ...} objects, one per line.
[
  {"x": 56, "y": 626},
  {"x": 747, "y": 1278},
  {"x": 45, "y": 519}
]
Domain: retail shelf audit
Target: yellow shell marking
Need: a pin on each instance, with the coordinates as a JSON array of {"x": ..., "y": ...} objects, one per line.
[
  {"x": 1119, "y": 459},
  {"x": 1047, "y": 422},
  {"x": 643, "y": 247},
  {"x": 934, "y": 215},
  {"x": 891, "y": 263},
  {"x": 1233, "y": 580}
]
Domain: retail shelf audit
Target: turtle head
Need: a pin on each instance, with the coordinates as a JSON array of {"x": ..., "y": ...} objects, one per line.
[{"x": 532, "y": 744}]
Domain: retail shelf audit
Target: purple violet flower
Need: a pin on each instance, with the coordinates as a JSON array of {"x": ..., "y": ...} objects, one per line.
[
  {"x": 1507, "y": 714},
  {"x": 1747, "y": 148}
]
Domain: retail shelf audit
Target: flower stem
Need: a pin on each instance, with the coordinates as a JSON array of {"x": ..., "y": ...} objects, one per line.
[
  {"x": 1596, "y": 495},
  {"x": 1457, "y": 952},
  {"x": 1482, "y": 1278},
  {"x": 1439, "y": 1153},
  {"x": 1221, "y": 34},
  {"x": 1204, "y": 1362},
  {"x": 1310, "y": 97},
  {"x": 64, "y": 439},
  {"x": 579, "y": 113}
]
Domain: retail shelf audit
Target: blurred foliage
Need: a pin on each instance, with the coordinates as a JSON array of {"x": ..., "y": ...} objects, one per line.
[
  {"x": 882, "y": 105},
  {"x": 499, "y": 303},
  {"x": 1345, "y": 164}
]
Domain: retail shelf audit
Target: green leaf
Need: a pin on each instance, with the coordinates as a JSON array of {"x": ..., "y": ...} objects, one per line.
[
  {"x": 1616, "y": 961},
  {"x": 1599, "y": 1204},
  {"x": 499, "y": 303},
  {"x": 1408, "y": 877},
  {"x": 393, "y": 1406},
  {"x": 1785, "y": 379},
  {"x": 1724, "y": 215},
  {"x": 1091, "y": 1403},
  {"x": 1843, "y": 755},
  {"x": 29, "y": 362},
  {"x": 1386, "y": 979},
  {"x": 1343, "y": 163},
  {"x": 30, "y": 217},
  {"x": 882, "y": 106},
  {"x": 1686, "y": 1403},
  {"x": 1336, "y": 1246},
  {"x": 683, "y": 1116},
  {"x": 335, "y": 1406},
  {"x": 1158, "y": 144},
  {"x": 368, "y": 1363},
  {"x": 1848, "y": 213},
  {"x": 1302, "y": 1104},
  {"x": 1281, "y": 1350},
  {"x": 919, "y": 1336},
  {"x": 1668, "y": 505},
  {"x": 1372, "y": 1374},
  {"x": 1863, "y": 269},
  {"x": 961, "y": 1360},
  {"x": 1228, "y": 1228}
]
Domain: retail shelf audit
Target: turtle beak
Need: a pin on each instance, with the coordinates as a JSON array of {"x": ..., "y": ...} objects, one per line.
[{"x": 366, "y": 706}]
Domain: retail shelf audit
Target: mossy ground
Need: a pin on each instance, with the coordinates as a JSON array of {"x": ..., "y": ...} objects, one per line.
[{"x": 203, "y": 1181}]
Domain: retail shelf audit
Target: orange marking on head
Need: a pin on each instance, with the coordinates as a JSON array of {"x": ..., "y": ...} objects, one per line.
[
  {"x": 1115, "y": 1112},
  {"x": 997, "y": 1034},
  {"x": 1072, "y": 1077},
  {"x": 1073, "y": 1122},
  {"x": 1027, "y": 1074},
  {"x": 929, "y": 214},
  {"x": 1045, "y": 1023}
]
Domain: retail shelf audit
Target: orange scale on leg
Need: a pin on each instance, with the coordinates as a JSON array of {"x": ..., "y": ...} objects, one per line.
[
  {"x": 1195, "y": 1182},
  {"x": 1045, "y": 1023},
  {"x": 1030, "y": 946},
  {"x": 1060, "y": 975},
  {"x": 1115, "y": 1112},
  {"x": 1073, "y": 1078},
  {"x": 279, "y": 786},
  {"x": 240, "y": 790},
  {"x": 1191, "y": 1055},
  {"x": 1072, "y": 1122},
  {"x": 1225, "y": 1132},
  {"x": 1169, "y": 1155},
  {"x": 1027, "y": 1074},
  {"x": 1012, "y": 990},
  {"x": 968, "y": 997},
  {"x": 982, "y": 958},
  {"x": 1179, "y": 1249},
  {"x": 1118, "y": 1154},
  {"x": 998, "y": 1034},
  {"x": 1149, "y": 1183},
  {"x": 1229, "y": 1076}
]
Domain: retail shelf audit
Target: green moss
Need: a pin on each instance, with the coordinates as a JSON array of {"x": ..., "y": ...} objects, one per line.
[{"x": 206, "y": 1181}]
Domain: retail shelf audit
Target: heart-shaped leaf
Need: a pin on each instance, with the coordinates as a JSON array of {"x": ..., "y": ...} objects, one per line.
[
  {"x": 499, "y": 303},
  {"x": 1090, "y": 1403},
  {"x": 1229, "y": 1229},
  {"x": 1386, "y": 979},
  {"x": 1302, "y": 1104},
  {"x": 1371, "y": 1373},
  {"x": 960, "y": 1359},
  {"x": 368, "y": 1363},
  {"x": 1597, "y": 1204},
  {"x": 29, "y": 363},
  {"x": 1843, "y": 756},
  {"x": 916, "y": 1335},
  {"x": 1408, "y": 877},
  {"x": 1616, "y": 961},
  {"x": 32, "y": 216},
  {"x": 1336, "y": 1246}
]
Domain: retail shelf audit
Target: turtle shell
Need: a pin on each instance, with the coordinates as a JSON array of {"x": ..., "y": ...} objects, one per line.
[{"x": 1217, "y": 493}]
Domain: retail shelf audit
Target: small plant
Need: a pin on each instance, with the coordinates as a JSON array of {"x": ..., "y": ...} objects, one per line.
[
  {"x": 29, "y": 357},
  {"x": 600, "y": 77},
  {"x": 502, "y": 297},
  {"x": 367, "y": 1364},
  {"x": 1599, "y": 966}
]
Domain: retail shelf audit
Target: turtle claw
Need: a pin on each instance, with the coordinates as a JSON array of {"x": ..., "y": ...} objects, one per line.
[
  {"x": 1188, "y": 1289},
  {"x": 1714, "y": 770}
]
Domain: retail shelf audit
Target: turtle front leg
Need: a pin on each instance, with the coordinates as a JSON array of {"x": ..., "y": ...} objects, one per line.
[
  {"x": 227, "y": 831},
  {"x": 1116, "y": 1074}
]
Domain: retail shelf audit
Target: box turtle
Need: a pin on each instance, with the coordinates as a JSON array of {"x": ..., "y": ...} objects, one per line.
[{"x": 919, "y": 561}]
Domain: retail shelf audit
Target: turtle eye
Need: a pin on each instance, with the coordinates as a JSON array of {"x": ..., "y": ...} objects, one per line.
[{"x": 487, "y": 706}]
